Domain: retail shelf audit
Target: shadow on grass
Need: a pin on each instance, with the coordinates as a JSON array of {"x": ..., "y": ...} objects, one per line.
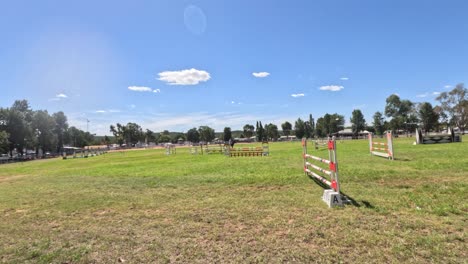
[
  {"x": 349, "y": 199},
  {"x": 405, "y": 159}
]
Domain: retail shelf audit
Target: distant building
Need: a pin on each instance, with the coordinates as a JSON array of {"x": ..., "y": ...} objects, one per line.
[
  {"x": 287, "y": 138},
  {"x": 348, "y": 133}
]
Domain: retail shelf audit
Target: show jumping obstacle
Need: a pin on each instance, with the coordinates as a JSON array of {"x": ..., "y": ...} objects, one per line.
[
  {"x": 320, "y": 143},
  {"x": 264, "y": 150},
  {"x": 437, "y": 138},
  {"x": 170, "y": 149},
  {"x": 82, "y": 153},
  {"x": 384, "y": 149},
  {"x": 194, "y": 150},
  {"x": 213, "y": 149},
  {"x": 331, "y": 197}
]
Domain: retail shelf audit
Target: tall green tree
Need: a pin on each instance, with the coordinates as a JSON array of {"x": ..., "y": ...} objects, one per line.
[
  {"x": 271, "y": 131},
  {"x": 412, "y": 118},
  {"x": 43, "y": 125},
  {"x": 329, "y": 124},
  {"x": 443, "y": 117},
  {"x": 358, "y": 123},
  {"x": 309, "y": 127},
  {"x": 248, "y": 130},
  {"x": 299, "y": 128},
  {"x": 106, "y": 140},
  {"x": 150, "y": 136},
  {"x": 455, "y": 104},
  {"x": 19, "y": 126},
  {"x": 79, "y": 138},
  {"x": 320, "y": 128},
  {"x": 287, "y": 127},
  {"x": 118, "y": 132},
  {"x": 379, "y": 123},
  {"x": 207, "y": 134},
  {"x": 4, "y": 113},
  {"x": 260, "y": 131},
  {"x": 334, "y": 123},
  {"x": 193, "y": 135},
  {"x": 227, "y": 134},
  {"x": 61, "y": 125},
  {"x": 3, "y": 142},
  {"x": 131, "y": 133},
  {"x": 400, "y": 112},
  {"x": 134, "y": 133},
  {"x": 428, "y": 117}
]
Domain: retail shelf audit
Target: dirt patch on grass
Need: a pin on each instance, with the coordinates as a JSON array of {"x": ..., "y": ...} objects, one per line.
[{"x": 4, "y": 179}]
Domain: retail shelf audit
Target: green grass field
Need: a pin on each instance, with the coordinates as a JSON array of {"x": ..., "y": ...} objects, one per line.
[{"x": 144, "y": 206}]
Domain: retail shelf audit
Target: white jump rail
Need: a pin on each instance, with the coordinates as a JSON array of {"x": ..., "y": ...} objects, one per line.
[
  {"x": 170, "y": 149},
  {"x": 213, "y": 149},
  {"x": 382, "y": 149},
  {"x": 320, "y": 143},
  {"x": 194, "y": 150},
  {"x": 311, "y": 169}
]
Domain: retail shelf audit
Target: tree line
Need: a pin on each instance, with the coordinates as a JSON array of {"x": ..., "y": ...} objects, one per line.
[
  {"x": 406, "y": 116},
  {"x": 23, "y": 128}
]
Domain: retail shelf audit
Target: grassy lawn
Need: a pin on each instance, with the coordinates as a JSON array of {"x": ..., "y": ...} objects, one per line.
[{"x": 144, "y": 206}]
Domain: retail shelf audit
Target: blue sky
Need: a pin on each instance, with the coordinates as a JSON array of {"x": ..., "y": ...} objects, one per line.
[{"x": 181, "y": 64}]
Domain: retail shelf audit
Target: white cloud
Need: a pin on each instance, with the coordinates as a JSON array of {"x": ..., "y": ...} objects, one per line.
[
  {"x": 260, "y": 74},
  {"x": 184, "y": 77},
  {"x": 297, "y": 95},
  {"x": 448, "y": 86},
  {"x": 140, "y": 89},
  {"x": 107, "y": 111},
  {"x": 344, "y": 78},
  {"x": 58, "y": 97},
  {"x": 132, "y": 106},
  {"x": 156, "y": 91},
  {"x": 333, "y": 88},
  {"x": 427, "y": 94}
]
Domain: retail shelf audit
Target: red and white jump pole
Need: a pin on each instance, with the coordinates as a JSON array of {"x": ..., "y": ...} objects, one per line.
[
  {"x": 383, "y": 149},
  {"x": 331, "y": 197}
]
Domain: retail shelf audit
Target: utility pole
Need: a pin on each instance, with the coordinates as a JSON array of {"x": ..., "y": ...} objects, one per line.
[{"x": 87, "y": 125}]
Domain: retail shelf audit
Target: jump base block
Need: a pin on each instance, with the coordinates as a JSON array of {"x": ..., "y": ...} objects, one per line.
[{"x": 332, "y": 198}]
